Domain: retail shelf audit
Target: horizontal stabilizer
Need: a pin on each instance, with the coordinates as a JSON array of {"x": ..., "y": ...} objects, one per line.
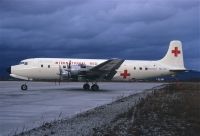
[{"x": 179, "y": 70}]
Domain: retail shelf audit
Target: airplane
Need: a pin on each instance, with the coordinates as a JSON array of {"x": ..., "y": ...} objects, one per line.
[{"x": 93, "y": 70}]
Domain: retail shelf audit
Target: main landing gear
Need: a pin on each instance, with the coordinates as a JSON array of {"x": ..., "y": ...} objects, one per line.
[
  {"x": 24, "y": 87},
  {"x": 86, "y": 86},
  {"x": 94, "y": 87}
]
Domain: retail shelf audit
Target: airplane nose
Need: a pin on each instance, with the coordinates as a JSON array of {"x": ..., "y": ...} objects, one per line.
[{"x": 8, "y": 70}]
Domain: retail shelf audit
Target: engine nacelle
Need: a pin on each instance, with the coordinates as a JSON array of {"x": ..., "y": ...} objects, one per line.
[{"x": 74, "y": 71}]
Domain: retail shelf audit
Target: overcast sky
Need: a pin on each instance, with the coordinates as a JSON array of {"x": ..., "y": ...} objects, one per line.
[{"x": 128, "y": 29}]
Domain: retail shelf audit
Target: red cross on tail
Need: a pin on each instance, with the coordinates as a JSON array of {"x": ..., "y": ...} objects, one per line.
[
  {"x": 174, "y": 56},
  {"x": 125, "y": 74},
  {"x": 176, "y": 51}
]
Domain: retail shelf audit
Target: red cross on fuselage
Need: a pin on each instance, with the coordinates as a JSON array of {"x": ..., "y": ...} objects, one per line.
[
  {"x": 125, "y": 74},
  {"x": 176, "y": 51}
]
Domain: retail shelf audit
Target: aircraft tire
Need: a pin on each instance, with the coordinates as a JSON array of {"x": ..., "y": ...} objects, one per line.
[
  {"x": 86, "y": 87},
  {"x": 95, "y": 87},
  {"x": 24, "y": 87}
]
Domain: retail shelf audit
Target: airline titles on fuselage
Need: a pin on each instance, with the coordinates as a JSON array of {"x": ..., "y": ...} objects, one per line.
[{"x": 75, "y": 63}]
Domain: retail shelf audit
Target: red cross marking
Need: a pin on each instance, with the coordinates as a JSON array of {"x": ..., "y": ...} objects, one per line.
[
  {"x": 125, "y": 74},
  {"x": 176, "y": 51}
]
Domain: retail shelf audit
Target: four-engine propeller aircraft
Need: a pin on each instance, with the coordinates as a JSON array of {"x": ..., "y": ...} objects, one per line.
[{"x": 92, "y": 70}]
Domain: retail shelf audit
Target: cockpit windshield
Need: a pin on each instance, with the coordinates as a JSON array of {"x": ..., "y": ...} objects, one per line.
[{"x": 23, "y": 63}]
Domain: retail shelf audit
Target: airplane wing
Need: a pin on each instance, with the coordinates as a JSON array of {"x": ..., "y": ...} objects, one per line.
[{"x": 105, "y": 70}]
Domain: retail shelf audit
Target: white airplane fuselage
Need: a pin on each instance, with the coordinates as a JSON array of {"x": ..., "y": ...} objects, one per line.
[
  {"x": 48, "y": 68},
  {"x": 98, "y": 69}
]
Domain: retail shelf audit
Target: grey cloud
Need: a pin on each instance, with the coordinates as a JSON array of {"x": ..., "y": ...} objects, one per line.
[
  {"x": 37, "y": 6},
  {"x": 97, "y": 29}
]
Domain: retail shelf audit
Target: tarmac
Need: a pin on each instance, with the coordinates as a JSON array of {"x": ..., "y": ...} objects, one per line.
[{"x": 47, "y": 101}]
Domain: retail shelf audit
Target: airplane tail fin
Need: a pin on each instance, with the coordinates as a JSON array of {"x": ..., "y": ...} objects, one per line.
[{"x": 174, "y": 56}]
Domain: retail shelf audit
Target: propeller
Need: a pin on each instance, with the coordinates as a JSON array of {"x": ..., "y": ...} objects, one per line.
[
  {"x": 60, "y": 74},
  {"x": 62, "y": 71},
  {"x": 69, "y": 69},
  {"x": 69, "y": 64}
]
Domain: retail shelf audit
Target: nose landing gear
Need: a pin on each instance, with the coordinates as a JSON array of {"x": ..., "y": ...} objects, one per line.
[{"x": 24, "y": 87}]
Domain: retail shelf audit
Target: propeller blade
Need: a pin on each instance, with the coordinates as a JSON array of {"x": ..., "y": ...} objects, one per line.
[
  {"x": 69, "y": 65},
  {"x": 60, "y": 74},
  {"x": 69, "y": 69}
]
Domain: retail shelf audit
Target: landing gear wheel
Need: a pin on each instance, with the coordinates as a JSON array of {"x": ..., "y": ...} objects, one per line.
[
  {"x": 95, "y": 87},
  {"x": 86, "y": 86},
  {"x": 24, "y": 87}
]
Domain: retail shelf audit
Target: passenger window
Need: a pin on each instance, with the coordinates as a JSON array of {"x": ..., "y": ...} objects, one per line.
[
  {"x": 48, "y": 66},
  {"x": 134, "y": 68},
  {"x": 140, "y": 68},
  {"x": 64, "y": 66},
  {"x": 41, "y": 66},
  {"x": 25, "y": 63},
  {"x": 146, "y": 68}
]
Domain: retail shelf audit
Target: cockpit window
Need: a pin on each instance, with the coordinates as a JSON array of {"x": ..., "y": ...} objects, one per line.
[{"x": 24, "y": 63}]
